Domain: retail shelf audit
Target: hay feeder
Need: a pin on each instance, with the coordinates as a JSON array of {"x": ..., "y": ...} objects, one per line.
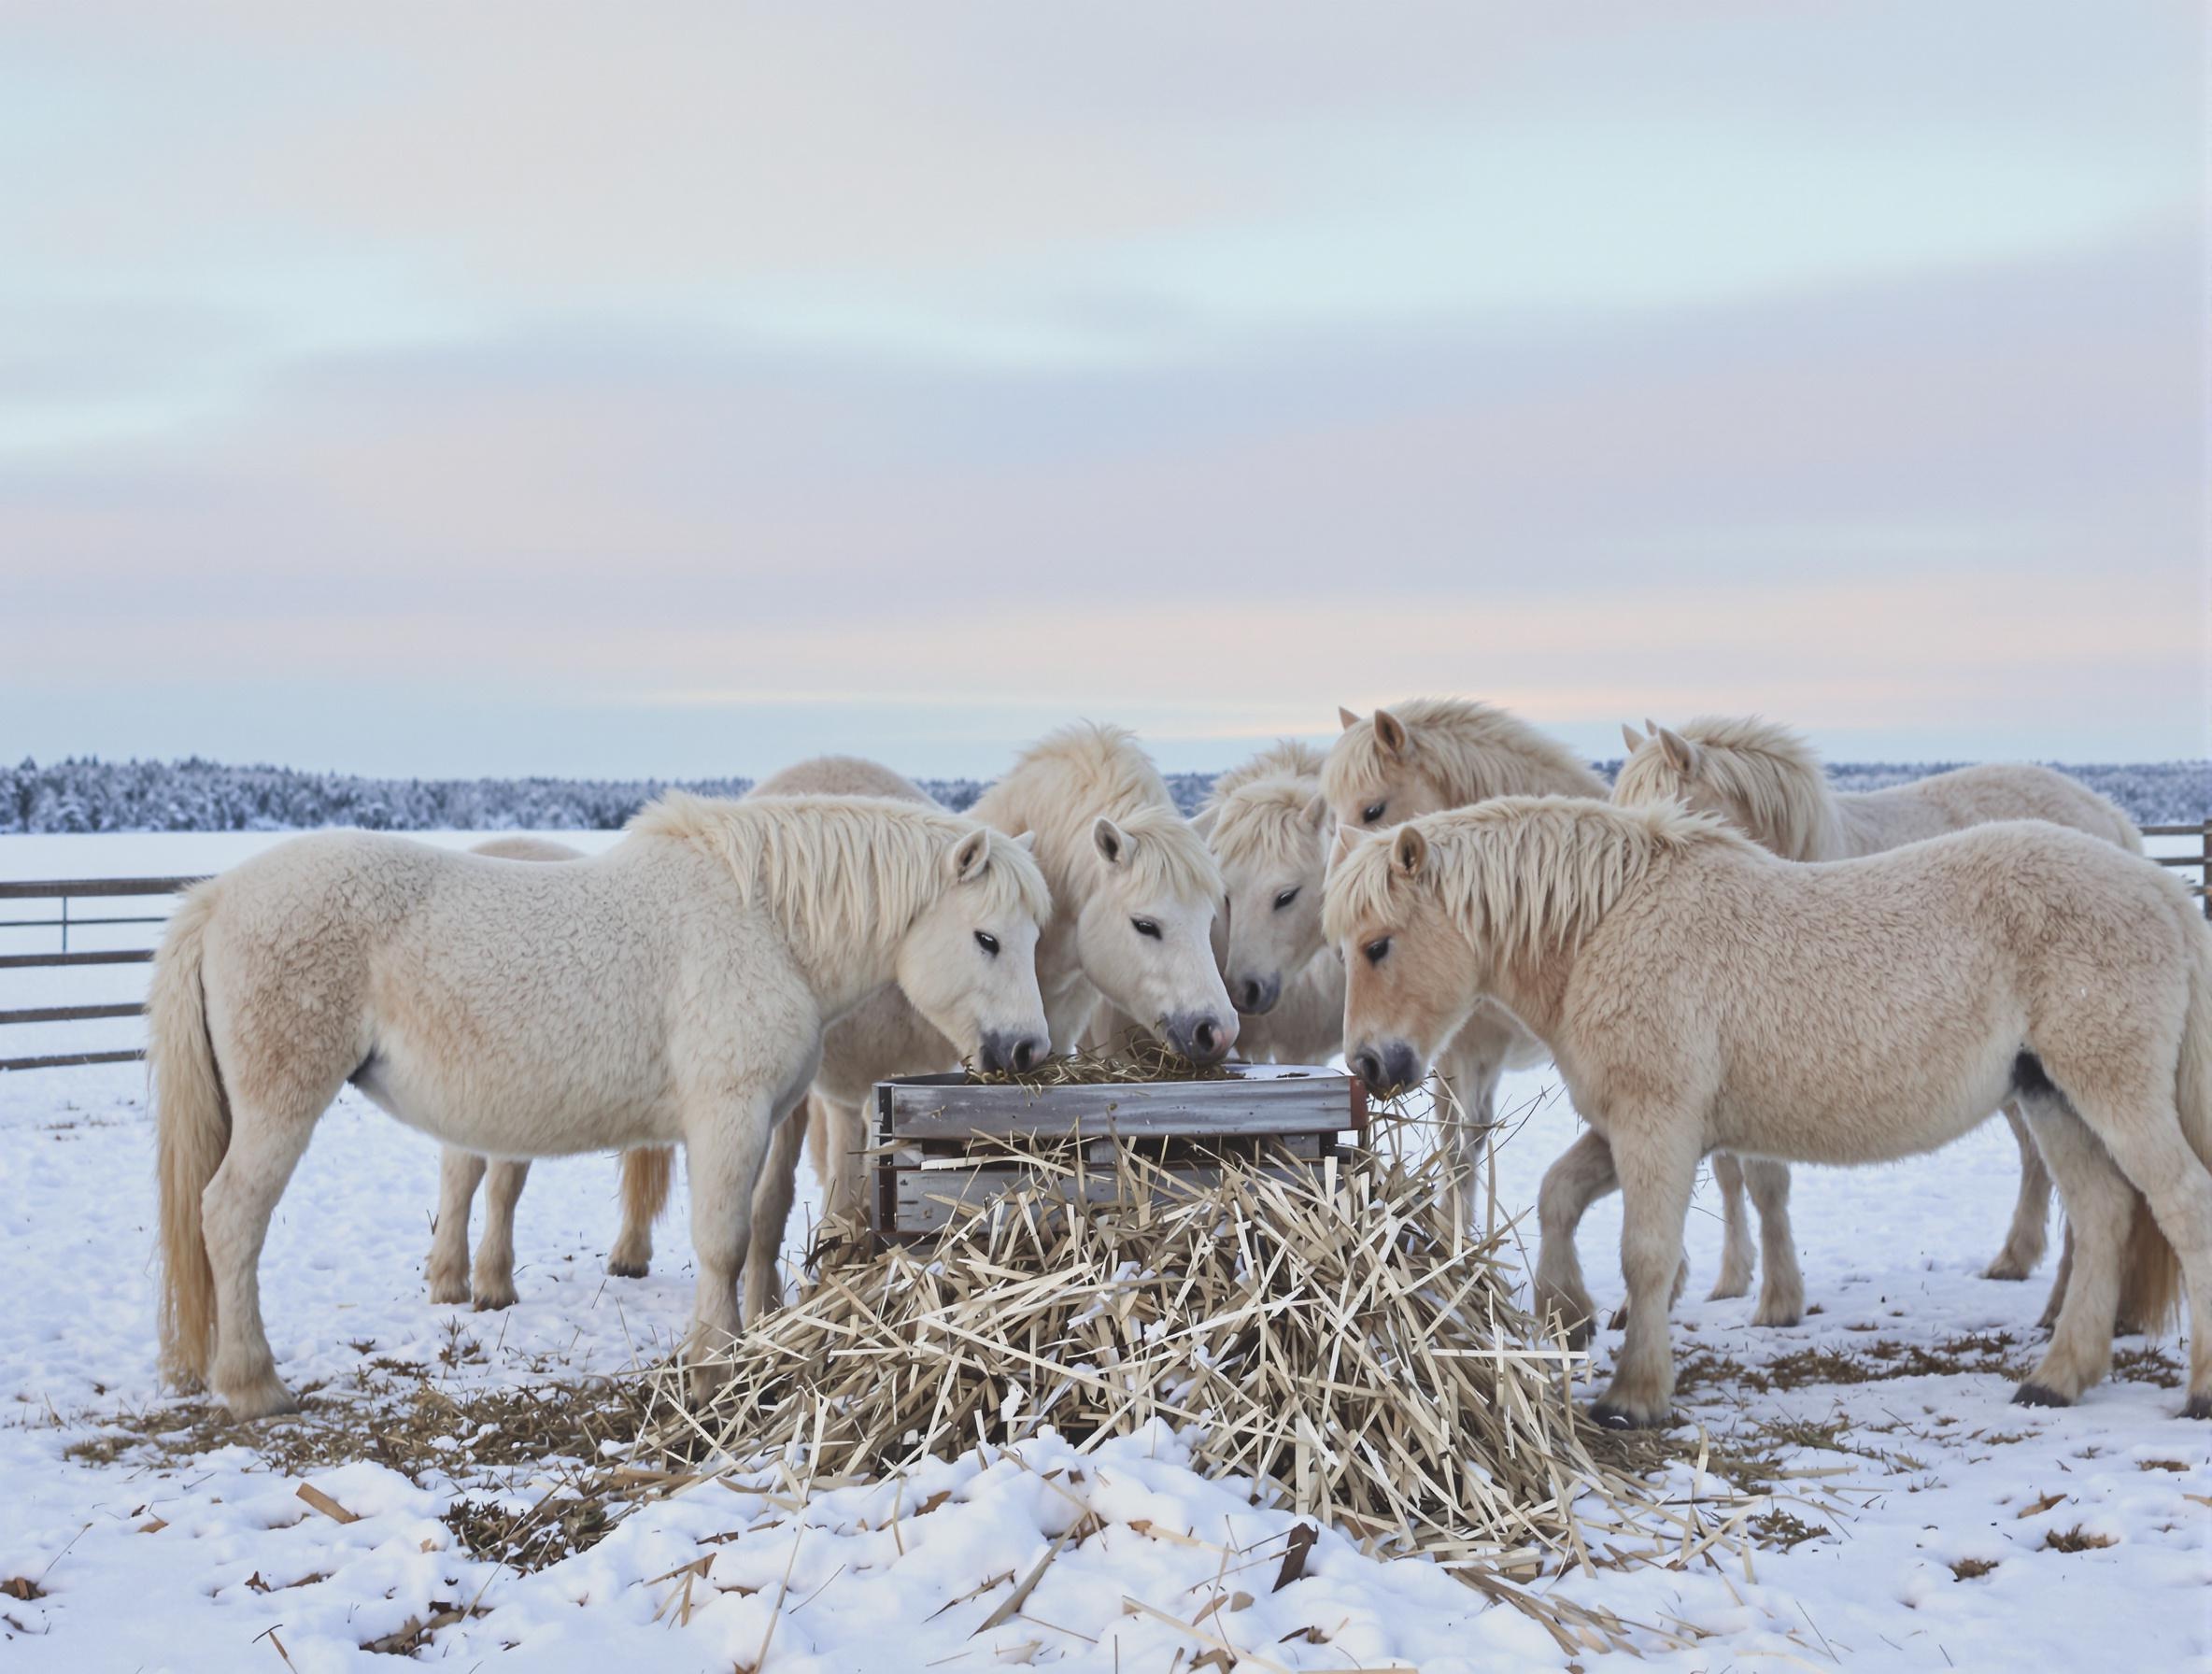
[{"x": 948, "y": 1142}]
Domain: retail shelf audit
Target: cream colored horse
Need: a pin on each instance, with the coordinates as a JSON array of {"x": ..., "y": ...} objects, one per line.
[
  {"x": 1698, "y": 992},
  {"x": 676, "y": 988},
  {"x": 1137, "y": 894},
  {"x": 1766, "y": 781},
  {"x": 1427, "y": 755},
  {"x": 1267, "y": 825}
]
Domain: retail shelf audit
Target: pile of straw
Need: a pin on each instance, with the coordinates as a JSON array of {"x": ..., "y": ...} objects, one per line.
[{"x": 1331, "y": 1338}]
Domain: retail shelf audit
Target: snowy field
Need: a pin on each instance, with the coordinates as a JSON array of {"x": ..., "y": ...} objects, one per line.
[{"x": 1936, "y": 1526}]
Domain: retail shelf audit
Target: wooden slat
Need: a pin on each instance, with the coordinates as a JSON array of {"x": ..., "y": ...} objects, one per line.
[
  {"x": 33, "y": 889},
  {"x": 68, "y": 1060},
  {"x": 71, "y": 1013},
  {"x": 2203, "y": 829},
  {"x": 28, "y": 961},
  {"x": 949, "y": 1107}
]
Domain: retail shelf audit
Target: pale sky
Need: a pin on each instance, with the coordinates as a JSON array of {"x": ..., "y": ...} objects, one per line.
[{"x": 681, "y": 389}]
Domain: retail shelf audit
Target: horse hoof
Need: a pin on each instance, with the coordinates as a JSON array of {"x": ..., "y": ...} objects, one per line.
[
  {"x": 268, "y": 1401},
  {"x": 2200, "y": 1406},
  {"x": 628, "y": 1269},
  {"x": 2038, "y": 1395},
  {"x": 2011, "y": 1272},
  {"x": 1611, "y": 1417},
  {"x": 449, "y": 1295},
  {"x": 491, "y": 1302}
]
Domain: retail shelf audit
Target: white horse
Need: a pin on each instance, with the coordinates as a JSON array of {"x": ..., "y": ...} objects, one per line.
[
  {"x": 1265, "y": 823},
  {"x": 1136, "y": 896},
  {"x": 676, "y": 988},
  {"x": 1699, "y": 993},
  {"x": 1427, "y": 755},
  {"x": 1766, "y": 781}
]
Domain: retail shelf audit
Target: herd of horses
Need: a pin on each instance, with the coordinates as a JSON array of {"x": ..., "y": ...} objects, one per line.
[{"x": 1722, "y": 956}]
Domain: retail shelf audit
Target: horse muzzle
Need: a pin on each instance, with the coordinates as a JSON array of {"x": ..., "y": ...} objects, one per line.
[
  {"x": 1003, "y": 1051},
  {"x": 1256, "y": 997},
  {"x": 1200, "y": 1036},
  {"x": 1387, "y": 1067}
]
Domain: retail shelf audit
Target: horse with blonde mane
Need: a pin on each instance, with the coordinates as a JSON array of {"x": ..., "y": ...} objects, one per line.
[
  {"x": 1268, "y": 828},
  {"x": 1422, "y": 757},
  {"x": 1137, "y": 895},
  {"x": 676, "y": 988},
  {"x": 1766, "y": 782},
  {"x": 1700, "y": 993}
]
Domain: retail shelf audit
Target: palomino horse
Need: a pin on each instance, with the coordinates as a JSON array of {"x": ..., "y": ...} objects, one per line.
[
  {"x": 1427, "y": 755},
  {"x": 1765, "y": 781},
  {"x": 676, "y": 988},
  {"x": 1266, "y": 824},
  {"x": 1698, "y": 992}
]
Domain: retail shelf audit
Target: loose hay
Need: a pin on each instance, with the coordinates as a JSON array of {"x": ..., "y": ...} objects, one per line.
[{"x": 1331, "y": 1337}]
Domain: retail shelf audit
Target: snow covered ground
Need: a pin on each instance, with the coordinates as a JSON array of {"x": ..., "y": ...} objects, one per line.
[{"x": 1949, "y": 1529}]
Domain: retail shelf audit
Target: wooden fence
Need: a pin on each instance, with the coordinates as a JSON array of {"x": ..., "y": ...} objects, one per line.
[{"x": 63, "y": 891}]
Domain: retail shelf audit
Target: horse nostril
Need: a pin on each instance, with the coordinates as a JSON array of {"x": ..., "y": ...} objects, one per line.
[
  {"x": 1251, "y": 992},
  {"x": 1370, "y": 1068},
  {"x": 1024, "y": 1056},
  {"x": 1206, "y": 1038}
]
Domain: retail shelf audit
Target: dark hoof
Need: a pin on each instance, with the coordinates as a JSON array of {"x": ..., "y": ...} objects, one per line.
[
  {"x": 2038, "y": 1395},
  {"x": 1610, "y": 1417},
  {"x": 493, "y": 1304},
  {"x": 2200, "y": 1406},
  {"x": 628, "y": 1269}
]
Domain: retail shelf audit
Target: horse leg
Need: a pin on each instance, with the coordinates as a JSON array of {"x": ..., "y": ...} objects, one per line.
[
  {"x": 495, "y": 1251},
  {"x": 835, "y": 1137},
  {"x": 1656, "y": 1159},
  {"x": 1582, "y": 1174},
  {"x": 2031, "y": 1210},
  {"x": 2098, "y": 1205},
  {"x": 1467, "y": 1101},
  {"x": 772, "y": 1212},
  {"x": 723, "y": 1149},
  {"x": 2058, "y": 1278},
  {"x": 448, "y": 1269},
  {"x": 1781, "y": 1298},
  {"x": 266, "y": 1144},
  {"x": 1736, "y": 1221},
  {"x": 2144, "y": 1138},
  {"x": 646, "y": 1172}
]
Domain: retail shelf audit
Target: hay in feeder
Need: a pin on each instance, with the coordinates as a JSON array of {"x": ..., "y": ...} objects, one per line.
[
  {"x": 1331, "y": 1338},
  {"x": 1130, "y": 1058}
]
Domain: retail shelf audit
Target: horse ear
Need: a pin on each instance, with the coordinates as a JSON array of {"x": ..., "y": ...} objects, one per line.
[
  {"x": 1680, "y": 750},
  {"x": 1409, "y": 851},
  {"x": 1316, "y": 812},
  {"x": 1632, "y": 738},
  {"x": 1346, "y": 716},
  {"x": 1202, "y": 821},
  {"x": 970, "y": 855},
  {"x": 1651, "y": 726},
  {"x": 1390, "y": 733},
  {"x": 1349, "y": 837},
  {"x": 1027, "y": 840},
  {"x": 1112, "y": 841}
]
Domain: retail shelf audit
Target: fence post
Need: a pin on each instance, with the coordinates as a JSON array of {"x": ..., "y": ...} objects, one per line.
[
  {"x": 65, "y": 924},
  {"x": 2204, "y": 873}
]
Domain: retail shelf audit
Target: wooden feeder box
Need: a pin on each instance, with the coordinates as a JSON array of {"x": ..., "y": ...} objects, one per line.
[{"x": 943, "y": 1142}]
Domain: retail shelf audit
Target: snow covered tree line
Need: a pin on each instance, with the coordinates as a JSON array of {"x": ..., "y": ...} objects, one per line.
[{"x": 193, "y": 795}]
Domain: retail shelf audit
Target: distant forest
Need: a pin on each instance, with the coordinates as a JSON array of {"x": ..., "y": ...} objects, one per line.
[{"x": 90, "y": 795}]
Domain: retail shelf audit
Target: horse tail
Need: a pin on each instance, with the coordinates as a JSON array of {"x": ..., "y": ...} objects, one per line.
[
  {"x": 2151, "y": 1280},
  {"x": 646, "y": 1173},
  {"x": 193, "y": 1131}
]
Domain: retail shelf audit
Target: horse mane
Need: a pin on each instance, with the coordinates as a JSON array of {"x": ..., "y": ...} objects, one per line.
[
  {"x": 1770, "y": 776},
  {"x": 1285, "y": 759},
  {"x": 1521, "y": 875},
  {"x": 837, "y": 870},
  {"x": 1474, "y": 751},
  {"x": 1263, "y": 823},
  {"x": 1059, "y": 787}
]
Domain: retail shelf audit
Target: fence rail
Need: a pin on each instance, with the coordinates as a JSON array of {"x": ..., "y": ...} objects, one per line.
[{"x": 64, "y": 890}]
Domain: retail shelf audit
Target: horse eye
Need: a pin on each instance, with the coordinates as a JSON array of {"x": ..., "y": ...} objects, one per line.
[
  {"x": 1144, "y": 927},
  {"x": 989, "y": 942},
  {"x": 1375, "y": 950},
  {"x": 1373, "y": 813},
  {"x": 1285, "y": 898}
]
